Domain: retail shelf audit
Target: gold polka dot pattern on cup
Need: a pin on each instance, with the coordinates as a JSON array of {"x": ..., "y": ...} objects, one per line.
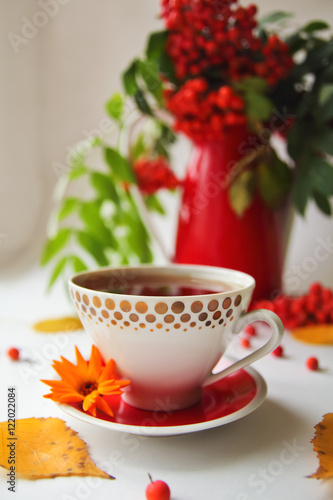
[
  {"x": 118, "y": 315},
  {"x": 178, "y": 307},
  {"x": 213, "y": 305},
  {"x": 85, "y": 299},
  {"x": 196, "y": 306},
  {"x": 150, "y": 318},
  {"x": 109, "y": 304},
  {"x": 159, "y": 326},
  {"x": 217, "y": 314},
  {"x": 84, "y": 309},
  {"x": 113, "y": 322},
  {"x": 100, "y": 319},
  {"x": 169, "y": 318},
  {"x": 125, "y": 306},
  {"x": 97, "y": 301},
  {"x": 142, "y": 325},
  {"x": 127, "y": 323},
  {"x": 238, "y": 300},
  {"x": 161, "y": 308},
  {"x": 77, "y": 295},
  {"x": 177, "y": 325},
  {"x": 134, "y": 317},
  {"x": 105, "y": 314},
  {"x": 229, "y": 313},
  {"x": 208, "y": 323},
  {"x": 93, "y": 312},
  {"x": 185, "y": 318},
  {"x": 226, "y": 303},
  {"x": 221, "y": 321},
  {"x": 203, "y": 316},
  {"x": 141, "y": 307},
  {"x": 192, "y": 324}
]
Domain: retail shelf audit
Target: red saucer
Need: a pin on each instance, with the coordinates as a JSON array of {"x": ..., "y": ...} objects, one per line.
[{"x": 222, "y": 402}]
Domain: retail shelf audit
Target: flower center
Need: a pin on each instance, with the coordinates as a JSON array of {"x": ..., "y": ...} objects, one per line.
[{"x": 87, "y": 388}]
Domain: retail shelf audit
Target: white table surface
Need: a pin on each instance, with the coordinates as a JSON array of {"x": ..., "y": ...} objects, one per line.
[{"x": 244, "y": 460}]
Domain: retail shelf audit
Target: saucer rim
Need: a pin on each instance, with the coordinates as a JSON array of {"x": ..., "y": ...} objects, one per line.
[{"x": 174, "y": 430}]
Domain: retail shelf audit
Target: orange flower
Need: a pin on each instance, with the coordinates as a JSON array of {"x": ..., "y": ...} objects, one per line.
[{"x": 86, "y": 381}]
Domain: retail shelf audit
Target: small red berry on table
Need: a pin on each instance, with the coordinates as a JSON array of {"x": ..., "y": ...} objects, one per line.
[
  {"x": 13, "y": 353},
  {"x": 245, "y": 343},
  {"x": 250, "y": 330},
  {"x": 278, "y": 352},
  {"x": 157, "y": 490},
  {"x": 312, "y": 364}
]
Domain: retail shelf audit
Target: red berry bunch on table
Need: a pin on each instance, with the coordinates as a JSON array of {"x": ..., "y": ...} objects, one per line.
[
  {"x": 208, "y": 35},
  {"x": 201, "y": 113},
  {"x": 313, "y": 308},
  {"x": 153, "y": 174}
]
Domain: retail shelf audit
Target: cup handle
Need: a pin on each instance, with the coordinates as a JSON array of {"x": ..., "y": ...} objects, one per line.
[{"x": 276, "y": 336}]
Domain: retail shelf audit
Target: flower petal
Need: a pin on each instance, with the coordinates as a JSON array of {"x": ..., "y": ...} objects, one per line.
[
  {"x": 89, "y": 400},
  {"x": 108, "y": 371},
  {"x": 103, "y": 406},
  {"x": 95, "y": 364}
]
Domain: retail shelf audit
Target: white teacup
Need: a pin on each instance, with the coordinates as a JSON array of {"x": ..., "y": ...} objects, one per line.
[{"x": 168, "y": 345}]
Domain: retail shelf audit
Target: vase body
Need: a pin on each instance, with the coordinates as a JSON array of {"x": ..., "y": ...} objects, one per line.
[{"x": 209, "y": 230}]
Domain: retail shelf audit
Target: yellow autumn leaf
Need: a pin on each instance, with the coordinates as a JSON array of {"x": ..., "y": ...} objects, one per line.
[
  {"x": 67, "y": 324},
  {"x": 323, "y": 446},
  {"x": 314, "y": 334},
  {"x": 46, "y": 447}
]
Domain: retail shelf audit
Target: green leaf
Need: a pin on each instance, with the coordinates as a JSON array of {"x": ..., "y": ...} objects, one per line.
[
  {"x": 166, "y": 67},
  {"x": 156, "y": 44},
  {"x": 315, "y": 26},
  {"x": 68, "y": 207},
  {"x": 139, "y": 147},
  {"x": 302, "y": 191},
  {"x": 295, "y": 140},
  {"x": 77, "y": 172},
  {"x": 274, "y": 180},
  {"x": 325, "y": 111},
  {"x": 93, "y": 247},
  {"x": 57, "y": 270},
  {"x": 258, "y": 107},
  {"x": 129, "y": 78},
  {"x": 54, "y": 245},
  {"x": 275, "y": 17},
  {"x": 322, "y": 203},
  {"x": 154, "y": 204},
  {"x": 241, "y": 192},
  {"x": 90, "y": 215},
  {"x": 325, "y": 94},
  {"x": 322, "y": 176},
  {"x": 254, "y": 84},
  {"x": 142, "y": 103},
  {"x": 104, "y": 187},
  {"x": 115, "y": 106},
  {"x": 148, "y": 72},
  {"x": 324, "y": 142},
  {"x": 78, "y": 264},
  {"x": 119, "y": 165}
]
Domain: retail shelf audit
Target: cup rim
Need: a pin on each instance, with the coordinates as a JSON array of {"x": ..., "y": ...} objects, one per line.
[{"x": 247, "y": 279}]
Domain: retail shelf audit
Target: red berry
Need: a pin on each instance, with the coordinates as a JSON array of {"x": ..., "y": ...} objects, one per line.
[
  {"x": 157, "y": 490},
  {"x": 315, "y": 289},
  {"x": 245, "y": 343},
  {"x": 250, "y": 330},
  {"x": 312, "y": 364},
  {"x": 13, "y": 353},
  {"x": 278, "y": 352}
]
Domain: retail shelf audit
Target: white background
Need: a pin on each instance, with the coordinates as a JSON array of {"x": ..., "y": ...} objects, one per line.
[{"x": 52, "y": 94}]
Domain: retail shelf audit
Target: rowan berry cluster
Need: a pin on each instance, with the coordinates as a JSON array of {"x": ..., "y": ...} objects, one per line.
[
  {"x": 202, "y": 113},
  {"x": 211, "y": 44},
  {"x": 219, "y": 37},
  {"x": 153, "y": 174},
  {"x": 315, "y": 307}
]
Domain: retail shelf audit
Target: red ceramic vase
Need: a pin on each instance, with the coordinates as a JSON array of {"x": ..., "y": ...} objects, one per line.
[{"x": 211, "y": 233}]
